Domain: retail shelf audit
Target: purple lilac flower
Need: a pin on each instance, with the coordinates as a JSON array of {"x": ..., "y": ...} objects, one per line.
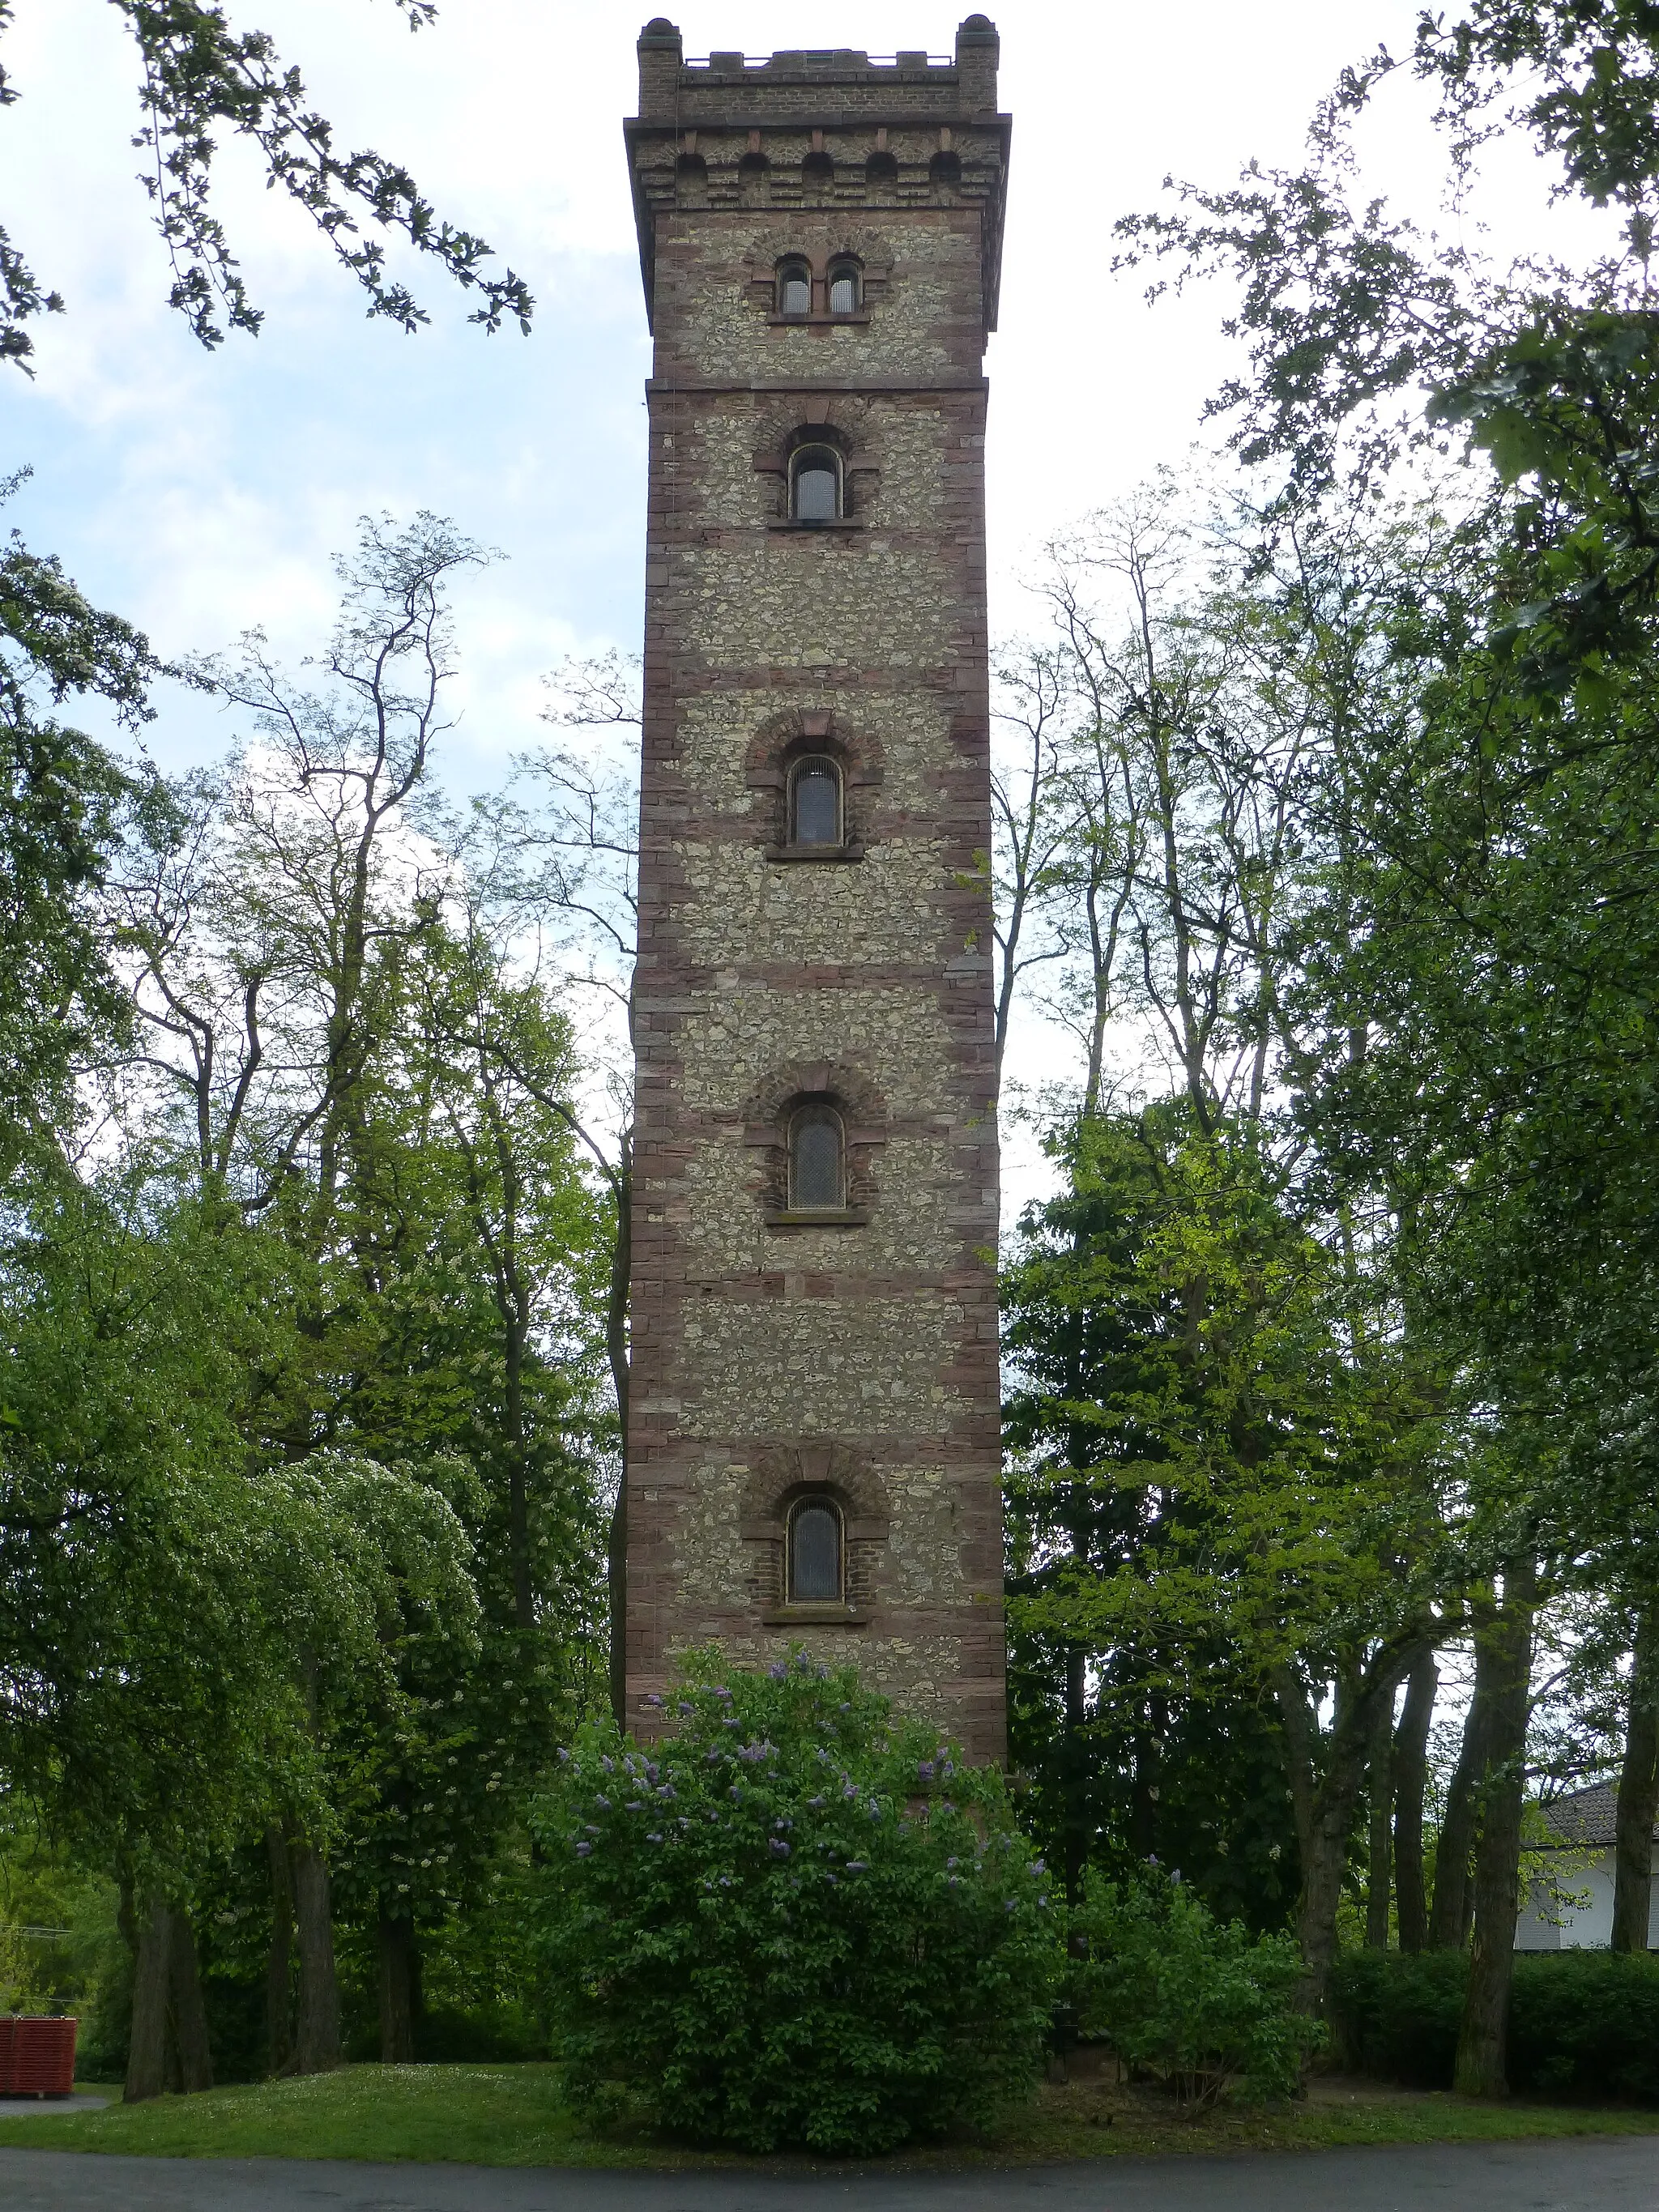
[
  {"x": 667, "y": 1790},
  {"x": 564, "y": 1756},
  {"x": 654, "y": 1840},
  {"x": 634, "y": 1806},
  {"x": 651, "y": 1698},
  {"x": 779, "y": 1848},
  {"x": 925, "y": 1770},
  {"x": 1037, "y": 1867},
  {"x": 850, "y": 1790},
  {"x": 583, "y": 1850},
  {"x": 858, "y": 1866},
  {"x": 686, "y": 1706},
  {"x": 609, "y": 1764},
  {"x": 777, "y": 1670},
  {"x": 604, "y": 1804},
  {"x": 830, "y": 1877},
  {"x": 722, "y": 1691},
  {"x": 951, "y": 1862},
  {"x": 1010, "y": 1906},
  {"x": 816, "y": 1802},
  {"x": 736, "y": 1794}
]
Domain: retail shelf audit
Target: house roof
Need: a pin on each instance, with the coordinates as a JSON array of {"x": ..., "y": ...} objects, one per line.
[{"x": 1585, "y": 1818}]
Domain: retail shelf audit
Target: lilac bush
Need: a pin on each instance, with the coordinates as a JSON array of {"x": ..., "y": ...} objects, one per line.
[{"x": 796, "y": 1920}]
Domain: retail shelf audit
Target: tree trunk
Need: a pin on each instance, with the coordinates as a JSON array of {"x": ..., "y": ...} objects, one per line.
[
  {"x": 147, "y": 2054},
  {"x": 1503, "y": 1659},
  {"x": 1380, "y": 1785},
  {"x": 1411, "y": 1774},
  {"x": 279, "y": 1961},
  {"x": 615, "y": 1574},
  {"x": 1074, "y": 1771},
  {"x": 1638, "y": 1794},
  {"x": 316, "y": 2038},
  {"x": 190, "y": 2026},
  {"x": 1324, "y": 1792},
  {"x": 400, "y": 1981},
  {"x": 618, "y": 1350},
  {"x": 1449, "y": 1920}
]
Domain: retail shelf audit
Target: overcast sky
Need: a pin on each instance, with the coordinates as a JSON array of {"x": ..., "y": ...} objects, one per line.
[{"x": 200, "y": 494}]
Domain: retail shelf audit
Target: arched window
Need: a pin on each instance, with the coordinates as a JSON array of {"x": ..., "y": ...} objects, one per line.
[
  {"x": 815, "y": 801},
  {"x": 815, "y": 485},
  {"x": 815, "y": 1553},
  {"x": 794, "y": 288},
  {"x": 945, "y": 170},
  {"x": 844, "y": 288},
  {"x": 818, "y": 168},
  {"x": 881, "y": 168},
  {"x": 817, "y": 1177}
]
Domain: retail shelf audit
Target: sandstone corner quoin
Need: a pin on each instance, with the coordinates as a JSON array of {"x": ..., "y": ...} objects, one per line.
[{"x": 813, "y": 1437}]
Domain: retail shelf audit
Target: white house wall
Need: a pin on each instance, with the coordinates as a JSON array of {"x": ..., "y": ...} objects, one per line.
[{"x": 1546, "y": 1925}]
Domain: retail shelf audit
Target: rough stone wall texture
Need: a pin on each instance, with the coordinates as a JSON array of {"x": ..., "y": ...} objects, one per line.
[{"x": 776, "y": 1357}]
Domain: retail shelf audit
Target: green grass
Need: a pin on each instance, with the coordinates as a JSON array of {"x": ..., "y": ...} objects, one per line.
[{"x": 514, "y": 2116}]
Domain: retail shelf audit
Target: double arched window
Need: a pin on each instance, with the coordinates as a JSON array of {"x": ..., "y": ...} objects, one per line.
[
  {"x": 816, "y": 1553},
  {"x": 815, "y": 485},
  {"x": 815, "y": 809},
  {"x": 817, "y": 1161}
]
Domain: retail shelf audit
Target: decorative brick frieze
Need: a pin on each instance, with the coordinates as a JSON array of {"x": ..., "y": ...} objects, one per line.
[{"x": 846, "y": 1354}]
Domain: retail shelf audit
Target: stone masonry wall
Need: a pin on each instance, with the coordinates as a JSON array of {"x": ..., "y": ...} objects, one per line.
[{"x": 773, "y": 1358}]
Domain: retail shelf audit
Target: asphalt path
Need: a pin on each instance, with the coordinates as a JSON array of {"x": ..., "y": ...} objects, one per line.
[{"x": 1588, "y": 2174}]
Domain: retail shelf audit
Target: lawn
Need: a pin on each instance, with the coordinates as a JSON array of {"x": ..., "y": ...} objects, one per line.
[{"x": 514, "y": 2116}]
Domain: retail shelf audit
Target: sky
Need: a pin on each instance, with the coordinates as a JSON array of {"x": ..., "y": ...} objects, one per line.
[{"x": 200, "y": 493}]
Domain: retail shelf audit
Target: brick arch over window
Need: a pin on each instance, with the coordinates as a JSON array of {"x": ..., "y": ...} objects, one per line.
[
  {"x": 785, "y": 738},
  {"x": 769, "y": 1111},
  {"x": 819, "y": 418},
  {"x": 781, "y": 1476}
]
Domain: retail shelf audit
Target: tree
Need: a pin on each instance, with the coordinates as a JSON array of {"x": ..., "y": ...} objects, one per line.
[
  {"x": 1487, "y": 1048},
  {"x": 349, "y": 1043},
  {"x": 1284, "y": 1475},
  {"x": 200, "y": 74},
  {"x": 62, "y": 802}
]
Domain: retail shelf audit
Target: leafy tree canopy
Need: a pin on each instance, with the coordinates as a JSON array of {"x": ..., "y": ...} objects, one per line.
[{"x": 201, "y": 74}]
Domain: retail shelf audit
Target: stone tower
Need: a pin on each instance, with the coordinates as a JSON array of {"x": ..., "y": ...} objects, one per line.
[{"x": 813, "y": 1432}]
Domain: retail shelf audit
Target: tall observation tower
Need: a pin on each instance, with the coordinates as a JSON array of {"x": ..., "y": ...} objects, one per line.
[{"x": 813, "y": 1435}]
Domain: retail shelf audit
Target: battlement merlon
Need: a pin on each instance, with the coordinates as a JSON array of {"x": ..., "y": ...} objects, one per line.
[{"x": 825, "y": 129}]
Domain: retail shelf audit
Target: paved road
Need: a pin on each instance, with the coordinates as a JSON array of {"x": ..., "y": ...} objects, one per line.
[{"x": 1606, "y": 2174}]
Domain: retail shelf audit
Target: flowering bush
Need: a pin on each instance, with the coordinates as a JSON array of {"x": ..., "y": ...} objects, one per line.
[
  {"x": 795, "y": 1920},
  {"x": 1197, "y": 2003}
]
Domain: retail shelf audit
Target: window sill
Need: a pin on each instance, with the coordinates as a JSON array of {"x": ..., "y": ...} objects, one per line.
[
  {"x": 857, "y": 320},
  {"x": 808, "y": 1616},
  {"x": 829, "y": 522},
  {"x": 850, "y": 1217},
  {"x": 833, "y": 855}
]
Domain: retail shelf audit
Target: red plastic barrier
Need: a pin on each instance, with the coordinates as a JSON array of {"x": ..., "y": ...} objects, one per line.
[{"x": 37, "y": 2057}]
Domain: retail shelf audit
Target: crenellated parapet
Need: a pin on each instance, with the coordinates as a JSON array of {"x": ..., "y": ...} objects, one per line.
[{"x": 827, "y": 130}]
